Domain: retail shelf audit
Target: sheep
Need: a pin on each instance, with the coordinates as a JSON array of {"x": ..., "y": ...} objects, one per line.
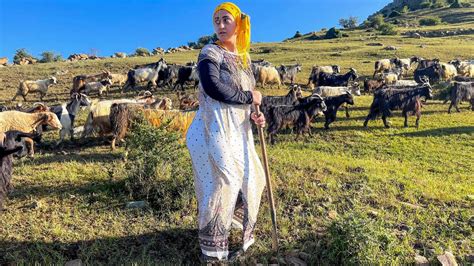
[
  {"x": 25, "y": 122},
  {"x": 257, "y": 65},
  {"x": 98, "y": 117},
  {"x": 336, "y": 79},
  {"x": 371, "y": 85},
  {"x": 100, "y": 87},
  {"x": 448, "y": 71},
  {"x": 8, "y": 147},
  {"x": 289, "y": 72},
  {"x": 386, "y": 64},
  {"x": 29, "y": 86},
  {"x": 269, "y": 74},
  {"x": 315, "y": 70},
  {"x": 79, "y": 81},
  {"x": 326, "y": 91},
  {"x": 333, "y": 103},
  {"x": 118, "y": 79},
  {"x": 67, "y": 113},
  {"x": 408, "y": 99},
  {"x": 464, "y": 68},
  {"x": 298, "y": 116},
  {"x": 461, "y": 91},
  {"x": 407, "y": 63}
]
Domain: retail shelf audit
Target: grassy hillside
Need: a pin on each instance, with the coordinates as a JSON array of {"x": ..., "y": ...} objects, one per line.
[{"x": 347, "y": 195}]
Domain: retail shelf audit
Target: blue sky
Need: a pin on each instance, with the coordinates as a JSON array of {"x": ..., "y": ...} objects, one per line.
[{"x": 79, "y": 26}]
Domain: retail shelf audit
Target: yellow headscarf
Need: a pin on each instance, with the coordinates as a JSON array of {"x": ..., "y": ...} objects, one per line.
[{"x": 243, "y": 25}]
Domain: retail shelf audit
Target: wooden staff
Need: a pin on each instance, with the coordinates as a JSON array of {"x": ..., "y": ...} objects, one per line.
[{"x": 269, "y": 183}]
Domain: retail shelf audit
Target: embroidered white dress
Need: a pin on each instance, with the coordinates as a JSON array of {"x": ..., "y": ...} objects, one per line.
[{"x": 225, "y": 164}]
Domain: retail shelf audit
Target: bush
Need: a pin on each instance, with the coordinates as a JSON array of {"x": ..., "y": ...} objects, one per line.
[
  {"x": 404, "y": 10},
  {"x": 47, "y": 57},
  {"x": 19, "y": 54},
  {"x": 354, "y": 239},
  {"x": 158, "y": 168},
  {"x": 394, "y": 14},
  {"x": 455, "y": 4},
  {"x": 425, "y": 4},
  {"x": 429, "y": 21},
  {"x": 333, "y": 33},
  {"x": 388, "y": 29},
  {"x": 142, "y": 52}
]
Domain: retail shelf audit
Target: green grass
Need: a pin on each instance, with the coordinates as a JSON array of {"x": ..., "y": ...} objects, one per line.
[{"x": 401, "y": 190}]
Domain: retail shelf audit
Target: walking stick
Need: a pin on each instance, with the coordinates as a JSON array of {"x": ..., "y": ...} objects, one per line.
[{"x": 269, "y": 184}]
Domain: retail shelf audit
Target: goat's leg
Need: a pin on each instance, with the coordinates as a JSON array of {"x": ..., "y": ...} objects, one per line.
[
  {"x": 366, "y": 120},
  {"x": 450, "y": 106},
  {"x": 385, "y": 122},
  {"x": 347, "y": 111},
  {"x": 457, "y": 108},
  {"x": 30, "y": 146},
  {"x": 112, "y": 144},
  {"x": 405, "y": 114},
  {"x": 418, "y": 116},
  {"x": 24, "y": 97}
]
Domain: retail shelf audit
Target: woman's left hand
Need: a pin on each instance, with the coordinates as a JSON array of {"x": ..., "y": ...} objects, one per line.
[{"x": 259, "y": 120}]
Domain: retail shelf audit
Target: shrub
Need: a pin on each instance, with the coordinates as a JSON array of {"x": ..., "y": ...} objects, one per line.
[
  {"x": 404, "y": 10},
  {"x": 388, "y": 29},
  {"x": 394, "y": 14},
  {"x": 47, "y": 57},
  {"x": 158, "y": 168},
  {"x": 355, "y": 239},
  {"x": 349, "y": 23},
  {"x": 333, "y": 33},
  {"x": 425, "y": 4},
  {"x": 376, "y": 21},
  {"x": 429, "y": 21},
  {"x": 142, "y": 52}
]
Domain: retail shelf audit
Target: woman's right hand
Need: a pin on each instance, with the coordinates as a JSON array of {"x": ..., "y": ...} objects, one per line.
[{"x": 257, "y": 97}]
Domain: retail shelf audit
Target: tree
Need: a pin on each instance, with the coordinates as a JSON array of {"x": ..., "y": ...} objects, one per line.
[
  {"x": 47, "y": 57},
  {"x": 349, "y": 23},
  {"x": 376, "y": 21},
  {"x": 21, "y": 53}
]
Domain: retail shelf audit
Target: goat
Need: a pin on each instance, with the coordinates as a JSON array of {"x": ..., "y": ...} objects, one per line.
[{"x": 29, "y": 86}]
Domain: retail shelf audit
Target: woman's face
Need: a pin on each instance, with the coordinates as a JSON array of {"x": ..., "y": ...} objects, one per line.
[{"x": 225, "y": 26}]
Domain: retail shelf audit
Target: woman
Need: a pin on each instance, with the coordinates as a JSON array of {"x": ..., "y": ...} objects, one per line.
[{"x": 225, "y": 164}]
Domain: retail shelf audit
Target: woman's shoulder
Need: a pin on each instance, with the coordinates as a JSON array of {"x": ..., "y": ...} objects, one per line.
[{"x": 211, "y": 51}]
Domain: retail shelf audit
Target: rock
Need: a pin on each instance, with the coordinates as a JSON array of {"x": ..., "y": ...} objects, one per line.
[
  {"x": 375, "y": 44},
  {"x": 373, "y": 213},
  {"x": 294, "y": 261},
  {"x": 136, "y": 205},
  {"x": 304, "y": 256},
  {"x": 447, "y": 259},
  {"x": 470, "y": 258},
  {"x": 390, "y": 48},
  {"x": 332, "y": 215},
  {"x": 404, "y": 227},
  {"x": 421, "y": 261},
  {"x": 76, "y": 262},
  {"x": 416, "y": 35}
]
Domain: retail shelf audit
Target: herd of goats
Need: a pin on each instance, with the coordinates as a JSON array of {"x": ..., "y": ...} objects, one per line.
[{"x": 20, "y": 128}]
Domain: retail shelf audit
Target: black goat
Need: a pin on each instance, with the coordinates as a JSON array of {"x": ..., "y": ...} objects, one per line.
[
  {"x": 333, "y": 103},
  {"x": 424, "y": 63},
  {"x": 289, "y": 99},
  {"x": 433, "y": 73},
  {"x": 294, "y": 116},
  {"x": 461, "y": 91},
  {"x": 326, "y": 79},
  {"x": 8, "y": 146},
  {"x": 187, "y": 73},
  {"x": 406, "y": 99}
]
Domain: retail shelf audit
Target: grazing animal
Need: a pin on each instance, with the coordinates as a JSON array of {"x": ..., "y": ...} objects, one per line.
[
  {"x": 407, "y": 63},
  {"x": 289, "y": 72},
  {"x": 333, "y": 103},
  {"x": 406, "y": 99},
  {"x": 448, "y": 71},
  {"x": 146, "y": 73},
  {"x": 386, "y": 65},
  {"x": 185, "y": 74},
  {"x": 298, "y": 116},
  {"x": 269, "y": 74},
  {"x": 326, "y": 91},
  {"x": 257, "y": 65},
  {"x": 461, "y": 91},
  {"x": 100, "y": 87},
  {"x": 26, "y": 122},
  {"x": 290, "y": 98},
  {"x": 79, "y": 81},
  {"x": 118, "y": 80},
  {"x": 168, "y": 75},
  {"x": 424, "y": 63},
  {"x": 463, "y": 79},
  {"x": 29, "y": 86},
  {"x": 406, "y": 83},
  {"x": 433, "y": 73},
  {"x": 371, "y": 85},
  {"x": 315, "y": 70},
  {"x": 326, "y": 79},
  {"x": 8, "y": 146},
  {"x": 464, "y": 68},
  {"x": 67, "y": 113}
]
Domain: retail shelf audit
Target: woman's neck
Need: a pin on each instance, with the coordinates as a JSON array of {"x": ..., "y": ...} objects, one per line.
[{"x": 230, "y": 46}]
